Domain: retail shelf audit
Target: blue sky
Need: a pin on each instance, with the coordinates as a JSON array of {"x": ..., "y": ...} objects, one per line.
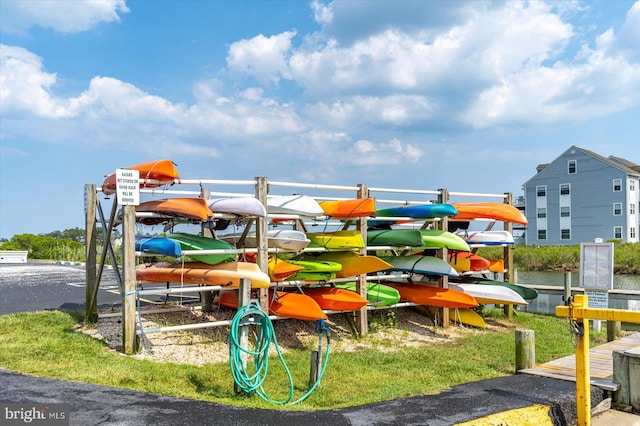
[{"x": 468, "y": 96}]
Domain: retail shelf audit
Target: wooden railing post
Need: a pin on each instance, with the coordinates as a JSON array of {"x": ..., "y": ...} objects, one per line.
[
  {"x": 91, "y": 279},
  {"x": 262, "y": 224},
  {"x": 129, "y": 295},
  {"x": 443, "y": 198},
  {"x": 362, "y": 321}
]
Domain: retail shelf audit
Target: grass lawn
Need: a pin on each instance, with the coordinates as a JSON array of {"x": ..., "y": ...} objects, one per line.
[{"x": 48, "y": 344}]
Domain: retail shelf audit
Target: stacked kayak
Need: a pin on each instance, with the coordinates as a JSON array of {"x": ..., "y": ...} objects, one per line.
[
  {"x": 349, "y": 209},
  {"x": 377, "y": 294},
  {"x": 226, "y": 274},
  {"x": 281, "y": 303},
  {"x": 158, "y": 246},
  {"x": 196, "y": 242},
  {"x": 155, "y": 174}
]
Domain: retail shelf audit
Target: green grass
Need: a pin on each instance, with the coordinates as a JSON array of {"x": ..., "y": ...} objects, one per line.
[
  {"x": 562, "y": 258},
  {"x": 47, "y": 344}
]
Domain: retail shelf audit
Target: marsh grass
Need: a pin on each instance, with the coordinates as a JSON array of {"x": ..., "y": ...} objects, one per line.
[{"x": 48, "y": 344}]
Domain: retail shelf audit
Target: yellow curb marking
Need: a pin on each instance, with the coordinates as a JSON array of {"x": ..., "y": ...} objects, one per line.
[{"x": 534, "y": 415}]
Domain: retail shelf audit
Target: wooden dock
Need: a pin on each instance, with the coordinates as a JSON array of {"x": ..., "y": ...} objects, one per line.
[{"x": 600, "y": 363}]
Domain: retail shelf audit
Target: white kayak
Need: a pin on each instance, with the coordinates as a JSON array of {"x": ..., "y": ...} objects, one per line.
[
  {"x": 486, "y": 237},
  {"x": 285, "y": 239},
  {"x": 301, "y": 205},
  {"x": 491, "y": 294},
  {"x": 241, "y": 206},
  {"x": 425, "y": 265}
]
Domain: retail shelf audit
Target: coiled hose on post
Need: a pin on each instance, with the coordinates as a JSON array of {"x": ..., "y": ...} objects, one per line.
[{"x": 252, "y": 382}]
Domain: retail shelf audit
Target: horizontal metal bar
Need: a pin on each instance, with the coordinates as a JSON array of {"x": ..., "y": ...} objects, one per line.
[
  {"x": 190, "y": 289},
  {"x": 405, "y": 191},
  {"x": 313, "y": 186},
  {"x": 473, "y": 194}
]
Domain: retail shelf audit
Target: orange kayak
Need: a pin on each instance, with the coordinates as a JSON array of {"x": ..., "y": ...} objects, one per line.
[
  {"x": 280, "y": 270},
  {"x": 433, "y": 296},
  {"x": 464, "y": 261},
  {"x": 188, "y": 207},
  {"x": 224, "y": 274},
  {"x": 489, "y": 210},
  {"x": 345, "y": 209},
  {"x": 283, "y": 304},
  {"x": 336, "y": 299},
  {"x": 161, "y": 172}
]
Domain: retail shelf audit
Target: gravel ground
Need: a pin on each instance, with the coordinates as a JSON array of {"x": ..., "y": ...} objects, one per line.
[{"x": 390, "y": 330}]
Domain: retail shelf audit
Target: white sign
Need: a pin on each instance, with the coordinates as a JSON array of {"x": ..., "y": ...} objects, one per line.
[
  {"x": 598, "y": 298},
  {"x": 596, "y": 266},
  {"x": 128, "y": 187}
]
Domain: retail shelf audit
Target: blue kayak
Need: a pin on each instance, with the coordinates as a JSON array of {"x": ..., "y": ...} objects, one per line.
[
  {"x": 158, "y": 245},
  {"x": 421, "y": 211}
]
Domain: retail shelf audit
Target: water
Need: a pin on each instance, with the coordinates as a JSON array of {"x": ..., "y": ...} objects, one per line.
[{"x": 620, "y": 282}]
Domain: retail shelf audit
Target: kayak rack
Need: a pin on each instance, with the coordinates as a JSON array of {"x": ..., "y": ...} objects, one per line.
[{"x": 260, "y": 187}]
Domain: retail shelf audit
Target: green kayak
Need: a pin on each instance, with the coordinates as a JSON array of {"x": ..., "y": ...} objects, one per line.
[
  {"x": 196, "y": 242},
  {"x": 377, "y": 294},
  {"x": 442, "y": 239},
  {"x": 395, "y": 237}
]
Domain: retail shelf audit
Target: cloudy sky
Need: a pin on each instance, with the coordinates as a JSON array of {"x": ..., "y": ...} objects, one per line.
[{"x": 464, "y": 95}]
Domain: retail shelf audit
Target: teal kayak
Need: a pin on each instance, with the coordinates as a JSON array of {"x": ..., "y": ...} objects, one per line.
[
  {"x": 196, "y": 242},
  {"x": 426, "y": 265}
]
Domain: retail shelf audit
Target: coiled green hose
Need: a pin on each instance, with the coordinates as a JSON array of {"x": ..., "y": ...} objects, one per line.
[{"x": 248, "y": 383}]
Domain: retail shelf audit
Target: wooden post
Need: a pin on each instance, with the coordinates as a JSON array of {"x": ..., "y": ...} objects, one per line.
[
  {"x": 525, "y": 349},
  {"x": 91, "y": 280},
  {"x": 443, "y": 198},
  {"x": 244, "y": 295},
  {"x": 621, "y": 398},
  {"x": 262, "y": 259},
  {"x": 362, "y": 320},
  {"x": 129, "y": 266},
  {"x": 508, "y": 255},
  {"x": 206, "y": 296},
  {"x": 614, "y": 330}
]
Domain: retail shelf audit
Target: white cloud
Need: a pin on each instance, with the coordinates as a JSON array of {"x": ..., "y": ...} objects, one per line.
[
  {"x": 264, "y": 58},
  {"x": 64, "y": 16},
  {"x": 26, "y": 87}
]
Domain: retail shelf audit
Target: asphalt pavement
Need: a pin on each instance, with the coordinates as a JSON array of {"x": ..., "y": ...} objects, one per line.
[{"x": 512, "y": 400}]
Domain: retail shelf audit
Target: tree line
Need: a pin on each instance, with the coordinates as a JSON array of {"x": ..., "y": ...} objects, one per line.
[{"x": 65, "y": 245}]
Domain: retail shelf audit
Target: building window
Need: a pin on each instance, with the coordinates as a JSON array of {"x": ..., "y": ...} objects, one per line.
[
  {"x": 565, "y": 211},
  {"x": 565, "y": 189},
  {"x": 572, "y": 166},
  {"x": 541, "y": 191},
  {"x": 617, "y": 232},
  {"x": 542, "y": 212},
  {"x": 632, "y": 185},
  {"x": 617, "y": 185},
  {"x": 632, "y": 233},
  {"x": 565, "y": 234},
  {"x": 632, "y": 209},
  {"x": 617, "y": 209},
  {"x": 542, "y": 234}
]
